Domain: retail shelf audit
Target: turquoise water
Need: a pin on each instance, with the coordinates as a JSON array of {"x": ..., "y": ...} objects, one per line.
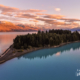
[{"x": 61, "y": 63}]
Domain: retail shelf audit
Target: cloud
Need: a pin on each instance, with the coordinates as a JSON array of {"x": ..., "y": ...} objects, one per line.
[
  {"x": 35, "y": 15},
  {"x": 60, "y": 17},
  {"x": 57, "y": 9},
  {"x": 70, "y": 20},
  {"x": 34, "y": 10},
  {"x": 6, "y": 9},
  {"x": 9, "y": 18},
  {"x": 26, "y": 16},
  {"x": 41, "y": 14},
  {"x": 34, "y": 20},
  {"x": 54, "y": 16},
  {"x": 18, "y": 14},
  {"x": 49, "y": 21},
  {"x": 10, "y": 10},
  {"x": 12, "y": 19}
]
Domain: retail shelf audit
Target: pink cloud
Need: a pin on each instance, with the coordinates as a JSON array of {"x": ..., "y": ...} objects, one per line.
[
  {"x": 53, "y": 16},
  {"x": 36, "y": 15},
  {"x": 57, "y": 9}
]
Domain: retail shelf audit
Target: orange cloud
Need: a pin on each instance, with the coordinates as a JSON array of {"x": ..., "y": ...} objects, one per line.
[
  {"x": 34, "y": 20},
  {"x": 17, "y": 15},
  {"x": 26, "y": 16},
  {"x": 41, "y": 14},
  {"x": 6, "y": 9},
  {"x": 54, "y": 16},
  {"x": 49, "y": 21},
  {"x": 35, "y": 10}
]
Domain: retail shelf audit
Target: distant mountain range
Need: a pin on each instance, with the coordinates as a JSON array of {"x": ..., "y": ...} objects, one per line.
[
  {"x": 75, "y": 29},
  {"x": 10, "y": 27},
  {"x": 6, "y": 26}
]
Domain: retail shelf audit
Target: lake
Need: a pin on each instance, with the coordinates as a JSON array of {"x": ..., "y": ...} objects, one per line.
[
  {"x": 62, "y": 63},
  {"x": 6, "y": 39}
]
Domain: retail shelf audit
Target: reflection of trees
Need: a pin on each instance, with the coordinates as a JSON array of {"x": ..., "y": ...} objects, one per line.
[{"x": 49, "y": 52}]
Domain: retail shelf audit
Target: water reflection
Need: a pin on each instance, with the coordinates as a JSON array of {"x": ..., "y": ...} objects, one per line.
[
  {"x": 49, "y": 52},
  {"x": 58, "y": 53},
  {"x": 6, "y": 39}
]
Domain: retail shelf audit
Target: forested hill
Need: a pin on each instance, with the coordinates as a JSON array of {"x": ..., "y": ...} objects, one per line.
[{"x": 42, "y": 39}]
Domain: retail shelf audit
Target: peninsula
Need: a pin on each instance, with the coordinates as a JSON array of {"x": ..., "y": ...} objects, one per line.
[{"x": 24, "y": 44}]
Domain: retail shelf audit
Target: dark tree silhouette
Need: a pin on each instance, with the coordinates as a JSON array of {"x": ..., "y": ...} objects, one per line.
[{"x": 48, "y": 38}]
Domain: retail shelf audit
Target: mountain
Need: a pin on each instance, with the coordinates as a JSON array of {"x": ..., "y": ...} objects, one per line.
[
  {"x": 9, "y": 27},
  {"x": 75, "y": 29}
]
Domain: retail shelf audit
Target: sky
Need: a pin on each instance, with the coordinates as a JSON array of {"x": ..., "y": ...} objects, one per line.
[{"x": 58, "y": 13}]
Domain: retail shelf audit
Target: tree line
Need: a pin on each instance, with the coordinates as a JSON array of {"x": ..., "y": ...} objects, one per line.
[{"x": 47, "y": 38}]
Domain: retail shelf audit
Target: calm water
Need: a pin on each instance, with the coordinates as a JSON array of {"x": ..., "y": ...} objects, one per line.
[
  {"x": 6, "y": 39},
  {"x": 61, "y": 63}
]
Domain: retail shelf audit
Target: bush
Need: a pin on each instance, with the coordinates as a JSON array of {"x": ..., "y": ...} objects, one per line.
[
  {"x": 21, "y": 50},
  {"x": 29, "y": 47}
]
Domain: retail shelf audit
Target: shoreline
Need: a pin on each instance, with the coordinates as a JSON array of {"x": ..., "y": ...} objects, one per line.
[{"x": 10, "y": 54}]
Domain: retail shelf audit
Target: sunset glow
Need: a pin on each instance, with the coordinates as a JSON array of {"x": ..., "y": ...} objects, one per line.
[{"x": 56, "y": 15}]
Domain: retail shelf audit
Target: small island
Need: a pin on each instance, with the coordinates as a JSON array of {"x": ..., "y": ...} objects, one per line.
[{"x": 24, "y": 44}]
